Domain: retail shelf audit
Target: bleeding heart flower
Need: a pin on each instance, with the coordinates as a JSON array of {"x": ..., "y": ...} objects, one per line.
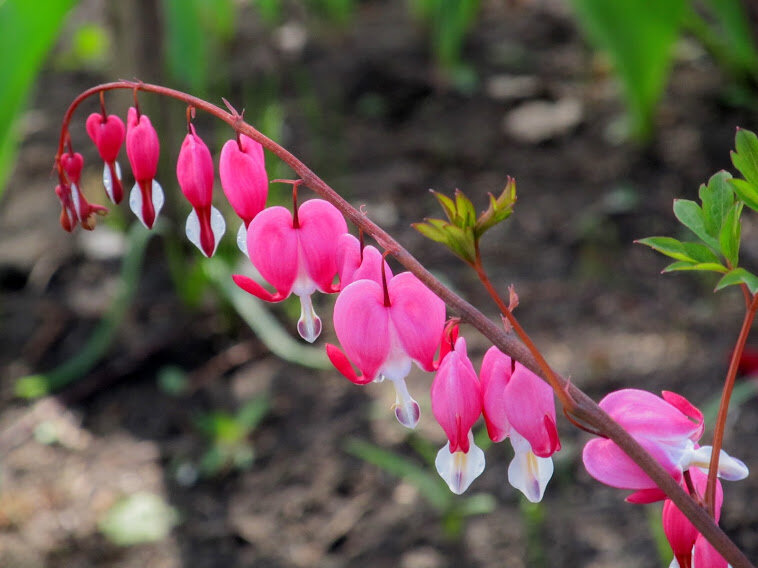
[
  {"x": 356, "y": 262},
  {"x": 457, "y": 404},
  {"x": 518, "y": 404},
  {"x": 242, "y": 169},
  {"x": 143, "y": 148},
  {"x": 194, "y": 169},
  {"x": 75, "y": 207},
  {"x": 296, "y": 255},
  {"x": 383, "y": 328},
  {"x": 107, "y": 132},
  {"x": 668, "y": 428},
  {"x": 685, "y": 540}
]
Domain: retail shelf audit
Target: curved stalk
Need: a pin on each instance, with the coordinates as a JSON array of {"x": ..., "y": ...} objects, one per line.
[{"x": 582, "y": 406}]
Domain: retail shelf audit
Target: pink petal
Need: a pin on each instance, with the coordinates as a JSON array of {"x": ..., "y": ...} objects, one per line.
[
  {"x": 705, "y": 556},
  {"x": 108, "y": 135},
  {"x": 607, "y": 463},
  {"x": 244, "y": 178},
  {"x": 456, "y": 397},
  {"x": 351, "y": 267},
  {"x": 644, "y": 414},
  {"x": 142, "y": 146},
  {"x": 361, "y": 322},
  {"x": 252, "y": 287},
  {"x": 494, "y": 376},
  {"x": 528, "y": 402},
  {"x": 272, "y": 244},
  {"x": 342, "y": 364},
  {"x": 194, "y": 170},
  {"x": 645, "y": 496},
  {"x": 321, "y": 226},
  {"x": 418, "y": 316}
]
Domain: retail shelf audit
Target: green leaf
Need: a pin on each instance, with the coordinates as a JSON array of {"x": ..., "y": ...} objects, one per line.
[
  {"x": 737, "y": 35},
  {"x": 448, "y": 205},
  {"x": 717, "y": 198},
  {"x": 729, "y": 238},
  {"x": 27, "y": 31},
  {"x": 746, "y": 192},
  {"x": 430, "y": 231},
  {"x": 701, "y": 266},
  {"x": 499, "y": 209},
  {"x": 638, "y": 37},
  {"x": 745, "y": 159},
  {"x": 700, "y": 253},
  {"x": 691, "y": 216},
  {"x": 668, "y": 246},
  {"x": 466, "y": 214},
  {"x": 739, "y": 276}
]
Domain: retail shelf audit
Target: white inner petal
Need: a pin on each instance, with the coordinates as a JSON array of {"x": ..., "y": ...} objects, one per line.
[
  {"x": 730, "y": 469},
  {"x": 309, "y": 324},
  {"x": 242, "y": 239},
  {"x": 527, "y": 472},
  {"x": 460, "y": 469},
  {"x": 108, "y": 181},
  {"x": 406, "y": 409}
]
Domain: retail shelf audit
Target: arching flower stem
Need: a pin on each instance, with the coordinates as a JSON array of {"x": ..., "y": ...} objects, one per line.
[{"x": 574, "y": 399}]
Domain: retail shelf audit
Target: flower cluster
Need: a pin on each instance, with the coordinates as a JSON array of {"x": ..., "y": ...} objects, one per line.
[{"x": 384, "y": 322}]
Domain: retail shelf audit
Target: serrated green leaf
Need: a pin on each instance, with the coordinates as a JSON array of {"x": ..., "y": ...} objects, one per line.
[
  {"x": 745, "y": 159},
  {"x": 465, "y": 212},
  {"x": 698, "y": 266},
  {"x": 739, "y": 276},
  {"x": 448, "y": 205},
  {"x": 717, "y": 198},
  {"x": 691, "y": 216},
  {"x": 746, "y": 192},
  {"x": 729, "y": 238}
]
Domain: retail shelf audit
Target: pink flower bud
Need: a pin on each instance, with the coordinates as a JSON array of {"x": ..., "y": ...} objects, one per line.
[
  {"x": 194, "y": 170},
  {"x": 72, "y": 164},
  {"x": 107, "y": 132},
  {"x": 242, "y": 169},
  {"x": 143, "y": 148},
  {"x": 75, "y": 207}
]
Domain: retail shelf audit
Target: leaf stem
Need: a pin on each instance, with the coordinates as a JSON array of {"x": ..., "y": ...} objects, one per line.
[{"x": 718, "y": 432}]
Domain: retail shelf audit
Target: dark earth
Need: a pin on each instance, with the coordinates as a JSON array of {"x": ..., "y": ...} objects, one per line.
[{"x": 366, "y": 109}]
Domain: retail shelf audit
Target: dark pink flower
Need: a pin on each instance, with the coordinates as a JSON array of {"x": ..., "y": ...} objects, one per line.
[
  {"x": 143, "y": 148},
  {"x": 108, "y": 132},
  {"x": 242, "y": 169},
  {"x": 295, "y": 257},
  {"x": 75, "y": 207},
  {"x": 457, "y": 405},
  {"x": 668, "y": 428},
  {"x": 519, "y": 405},
  {"x": 383, "y": 329},
  {"x": 194, "y": 170}
]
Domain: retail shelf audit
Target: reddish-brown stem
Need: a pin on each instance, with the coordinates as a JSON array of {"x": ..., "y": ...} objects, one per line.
[
  {"x": 560, "y": 390},
  {"x": 584, "y": 408},
  {"x": 718, "y": 431}
]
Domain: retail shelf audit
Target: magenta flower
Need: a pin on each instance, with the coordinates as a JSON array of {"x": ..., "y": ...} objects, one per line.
[
  {"x": 359, "y": 263},
  {"x": 519, "y": 405},
  {"x": 205, "y": 225},
  {"x": 668, "y": 428},
  {"x": 107, "y": 132},
  {"x": 242, "y": 169},
  {"x": 75, "y": 207},
  {"x": 689, "y": 547},
  {"x": 383, "y": 328},
  {"x": 296, "y": 256},
  {"x": 143, "y": 148},
  {"x": 457, "y": 404}
]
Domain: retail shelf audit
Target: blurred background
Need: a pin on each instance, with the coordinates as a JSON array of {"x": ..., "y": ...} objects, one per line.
[{"x": 153, "y": 415}]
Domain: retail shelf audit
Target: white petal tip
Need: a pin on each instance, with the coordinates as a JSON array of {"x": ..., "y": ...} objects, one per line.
[
  {"x": 309, "y": 324},
  {"x": 460, "y": 469},
  {"x": 192, "y": 229},
  {"x": 528, "y": 473},
  {"x": 408, "y": 413},
  {"x": 242, "y": 239}
]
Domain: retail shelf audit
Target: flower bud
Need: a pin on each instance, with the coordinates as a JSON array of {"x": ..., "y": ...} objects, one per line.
[
  {"x": 143, "y": 148},
  {"x": 107, "y": 132}
]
